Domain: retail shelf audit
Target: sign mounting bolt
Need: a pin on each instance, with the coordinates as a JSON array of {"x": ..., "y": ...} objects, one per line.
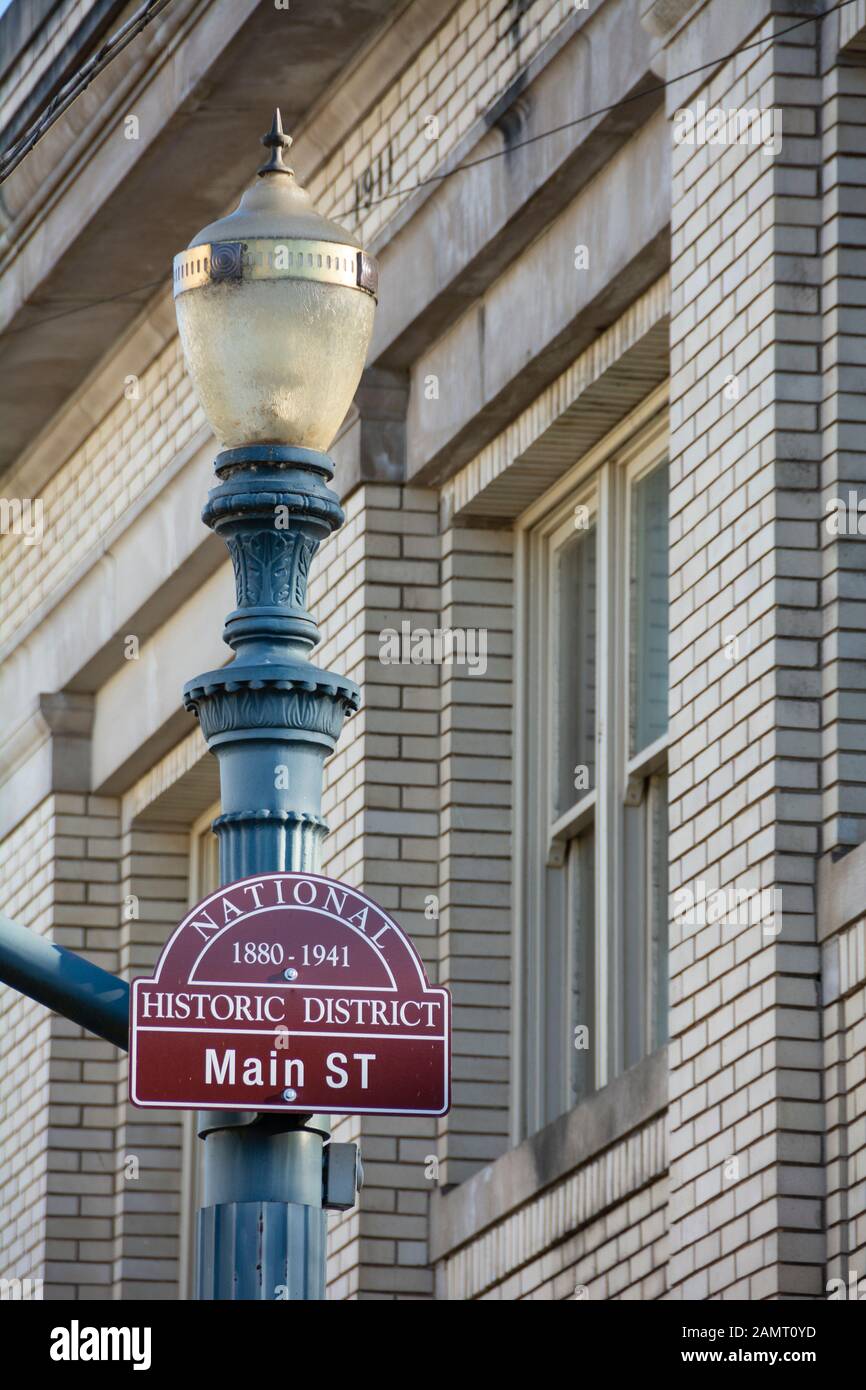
[
  {"x": 290, "y": 974},
  {"x": 289, "y": 1094}
]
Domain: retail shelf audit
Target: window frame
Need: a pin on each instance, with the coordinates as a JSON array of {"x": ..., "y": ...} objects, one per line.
[
  {"x": 580, "y": 813},
  {"x": 637, "y": 465},
  {"x": 639, "y": 767}
]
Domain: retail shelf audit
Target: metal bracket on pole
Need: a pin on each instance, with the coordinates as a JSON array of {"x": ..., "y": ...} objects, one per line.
[
  {"x": 64, "y": 982},
  {"x": 343, "y": 1176}
]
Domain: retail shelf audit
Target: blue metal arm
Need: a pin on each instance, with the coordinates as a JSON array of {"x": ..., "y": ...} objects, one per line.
[{"x": 64, "y": 982}]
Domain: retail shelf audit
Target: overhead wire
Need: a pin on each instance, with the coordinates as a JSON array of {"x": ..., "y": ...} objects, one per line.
[{"x": 11, "y": 158}]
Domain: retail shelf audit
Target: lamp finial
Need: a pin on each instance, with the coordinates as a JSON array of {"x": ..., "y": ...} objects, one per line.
[{"x": 276, "y": 142}]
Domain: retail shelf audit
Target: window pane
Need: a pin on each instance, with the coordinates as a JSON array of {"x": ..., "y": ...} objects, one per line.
[
  {"x": 631, "y": 997},
  {"x": 574, "y": 740},
  {"x": 648, "y": 622},
  {"x": 657, "y": 801},
  {"x": 582, "y": 925}
]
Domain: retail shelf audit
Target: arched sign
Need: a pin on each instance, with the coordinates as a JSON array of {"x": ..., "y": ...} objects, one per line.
[{"x": 290, "y": 991}]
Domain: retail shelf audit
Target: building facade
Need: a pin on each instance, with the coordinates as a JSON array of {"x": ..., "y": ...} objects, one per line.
[{"x": 601, "y": 583}]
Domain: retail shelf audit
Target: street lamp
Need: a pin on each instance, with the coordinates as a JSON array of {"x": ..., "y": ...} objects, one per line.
[{"x": 275, "y": 310}]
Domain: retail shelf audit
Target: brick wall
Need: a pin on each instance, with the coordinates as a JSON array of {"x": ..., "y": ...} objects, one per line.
[
  {"x": 26, "y": 1067},
  {"x": 745, "y": 1050},
  {"x": 459, "y": 74},
  {"x": 61, "y": 879},
  {"x": 138, "y": 438},
  {"x": 148, "y": 1155},
  {"x": 81, "y": 1114},
  {"x": 475, "y": 855},
  {"x": 381, "y": 796}
]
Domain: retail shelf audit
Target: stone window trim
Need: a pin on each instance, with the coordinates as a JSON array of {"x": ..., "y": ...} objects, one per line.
[
  {"x": 630, "y": 1101},
  {"x": 841, "y": 891},
  {"x": 842, "y": 924}
]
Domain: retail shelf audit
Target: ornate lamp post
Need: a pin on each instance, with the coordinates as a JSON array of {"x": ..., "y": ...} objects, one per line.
[{"x": 275, "y": 309}]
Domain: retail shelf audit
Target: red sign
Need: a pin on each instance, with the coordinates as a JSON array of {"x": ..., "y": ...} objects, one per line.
[{"x": 290, "y": 991}]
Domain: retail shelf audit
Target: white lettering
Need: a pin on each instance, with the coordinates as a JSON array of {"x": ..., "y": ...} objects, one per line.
[
  {"x": 77, "y": 1343},
  {"x": 364, "y": 1058},
  {"x": 216, "y": 1074},
  {"x": 340, "y": 1075}
]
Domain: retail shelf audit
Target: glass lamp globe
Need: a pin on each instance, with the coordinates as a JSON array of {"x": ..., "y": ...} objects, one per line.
[{"x": 275, "y": 309}]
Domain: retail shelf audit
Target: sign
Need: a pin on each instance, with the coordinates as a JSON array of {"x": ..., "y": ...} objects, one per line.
[{"x": 290, "y": 991}]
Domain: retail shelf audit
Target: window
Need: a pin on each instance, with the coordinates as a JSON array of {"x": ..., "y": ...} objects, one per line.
[{"x": 591, "y": 872}]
